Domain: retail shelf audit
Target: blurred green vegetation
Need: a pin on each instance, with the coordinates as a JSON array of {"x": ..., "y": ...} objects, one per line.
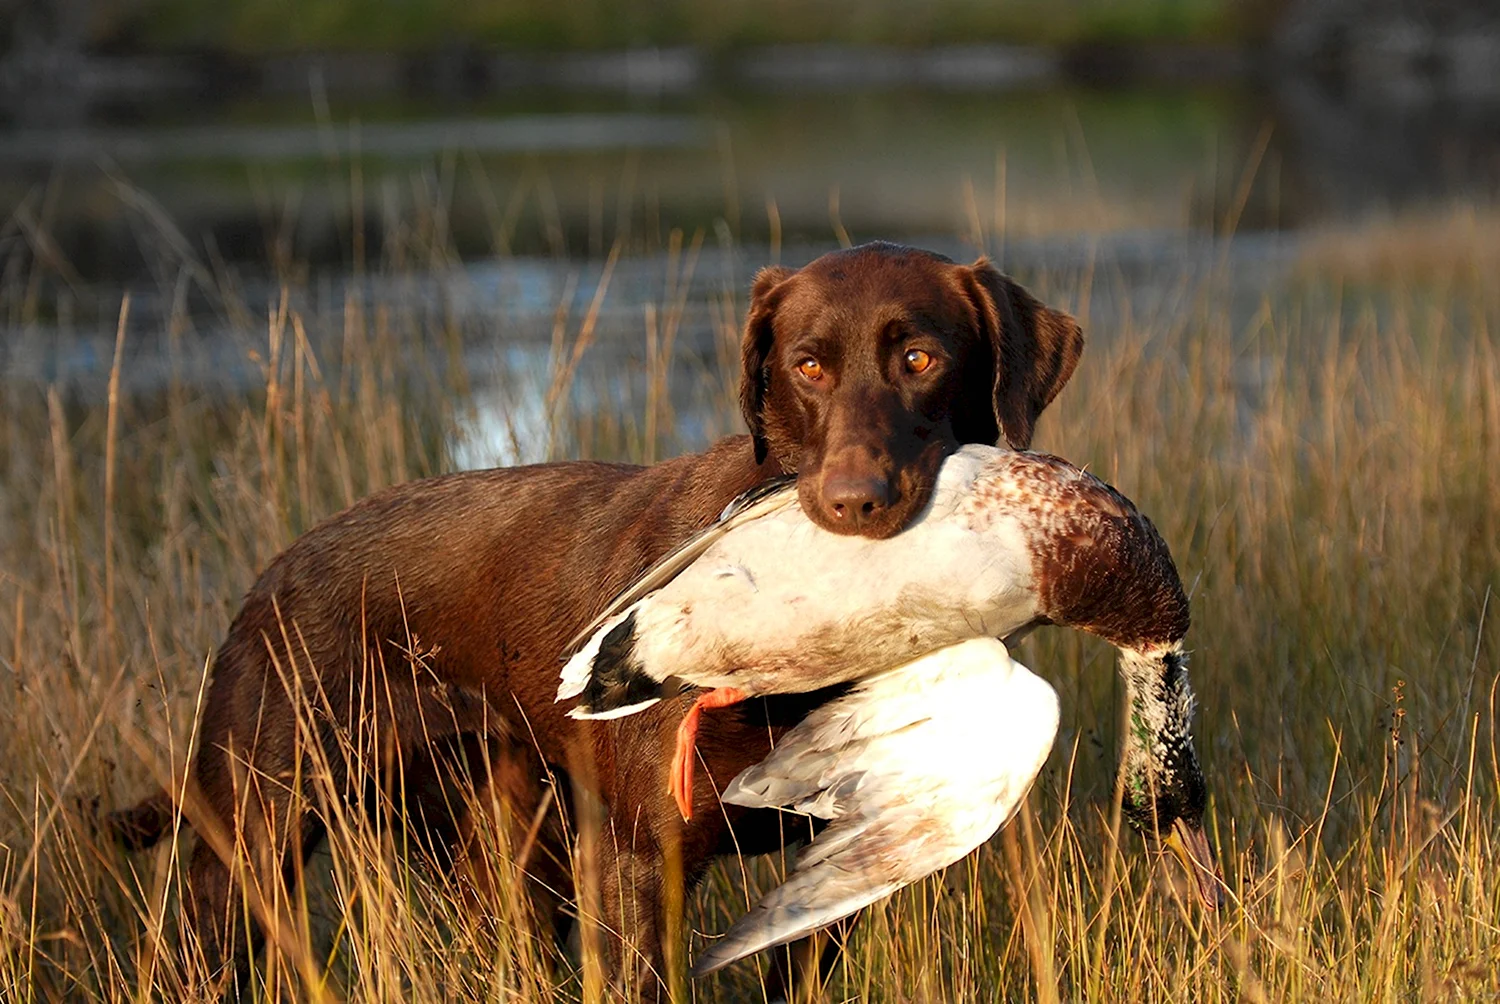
[{"x": 268, "y": 26}]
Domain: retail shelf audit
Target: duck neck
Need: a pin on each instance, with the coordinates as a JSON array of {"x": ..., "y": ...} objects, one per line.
[{"x": 1158, "y": 721}]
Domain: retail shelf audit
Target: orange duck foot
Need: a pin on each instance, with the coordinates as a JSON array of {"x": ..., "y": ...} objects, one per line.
[{"x": 681, "y": 783}]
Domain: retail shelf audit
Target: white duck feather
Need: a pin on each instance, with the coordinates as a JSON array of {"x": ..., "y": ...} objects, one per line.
[{"x": 914, "y": 768}]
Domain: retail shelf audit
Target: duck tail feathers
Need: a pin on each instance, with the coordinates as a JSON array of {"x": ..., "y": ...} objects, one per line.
[
  {"x": 607, "y": 676},
  {"x": 804, "y": 904}
]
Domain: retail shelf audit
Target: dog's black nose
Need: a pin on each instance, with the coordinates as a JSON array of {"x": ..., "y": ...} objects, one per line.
[{"x": 855, "y": 499}]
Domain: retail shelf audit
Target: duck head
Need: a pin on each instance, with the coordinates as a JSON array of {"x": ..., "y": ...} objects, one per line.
[{"x": 1164, "y": 791}]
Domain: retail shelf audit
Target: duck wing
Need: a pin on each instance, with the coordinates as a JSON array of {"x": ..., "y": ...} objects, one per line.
[
  {"x": 913, "y": 769},
  {"x": 766, "y": 498}
]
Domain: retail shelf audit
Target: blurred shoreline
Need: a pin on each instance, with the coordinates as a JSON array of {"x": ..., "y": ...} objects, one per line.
[
  {"x": 36, "y": 84},
  {"x": 50, "y": 83}
]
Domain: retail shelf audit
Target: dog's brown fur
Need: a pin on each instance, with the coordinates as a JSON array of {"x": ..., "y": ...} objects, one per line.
[{"x": 434, "y": 614}]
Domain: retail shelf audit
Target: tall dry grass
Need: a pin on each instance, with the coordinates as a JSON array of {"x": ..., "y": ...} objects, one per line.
[{"x": 1325, "y": 471}]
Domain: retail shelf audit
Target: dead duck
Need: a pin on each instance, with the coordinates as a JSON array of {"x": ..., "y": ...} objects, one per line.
[{"x": 766, "y": 602}]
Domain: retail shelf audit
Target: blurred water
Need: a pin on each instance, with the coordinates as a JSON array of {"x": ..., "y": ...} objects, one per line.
[
  {"x": 505, "y": 327},
  {"x": 479, "y": 230}
]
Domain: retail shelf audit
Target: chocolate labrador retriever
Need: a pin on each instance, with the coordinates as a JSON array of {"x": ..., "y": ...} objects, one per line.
[{"x": 431, "y": 617}]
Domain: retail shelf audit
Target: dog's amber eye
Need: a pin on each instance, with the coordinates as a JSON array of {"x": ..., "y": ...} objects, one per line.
[
  {"x": 917, "y": 360},
  {"x": 811, "y": 368}
]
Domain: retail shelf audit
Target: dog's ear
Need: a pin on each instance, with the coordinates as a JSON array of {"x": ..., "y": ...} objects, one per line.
[
  {"x": 755, "y": 349},
  {"x": 1033, "y": 350}
]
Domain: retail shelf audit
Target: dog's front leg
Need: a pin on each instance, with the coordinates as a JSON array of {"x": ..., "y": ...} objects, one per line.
[{"x": 632, "y": 921}]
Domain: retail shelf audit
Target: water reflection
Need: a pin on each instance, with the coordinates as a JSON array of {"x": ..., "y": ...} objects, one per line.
[
  {"x": 580, "y": 358},
  {"x": 506, "y": 421}
]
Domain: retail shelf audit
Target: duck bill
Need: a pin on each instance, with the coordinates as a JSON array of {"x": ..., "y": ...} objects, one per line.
[{"x": 1190, "y": 845}]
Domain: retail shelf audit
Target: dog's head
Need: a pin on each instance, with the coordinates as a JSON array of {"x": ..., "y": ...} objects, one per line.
[{"x": 866, "y": 367}]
